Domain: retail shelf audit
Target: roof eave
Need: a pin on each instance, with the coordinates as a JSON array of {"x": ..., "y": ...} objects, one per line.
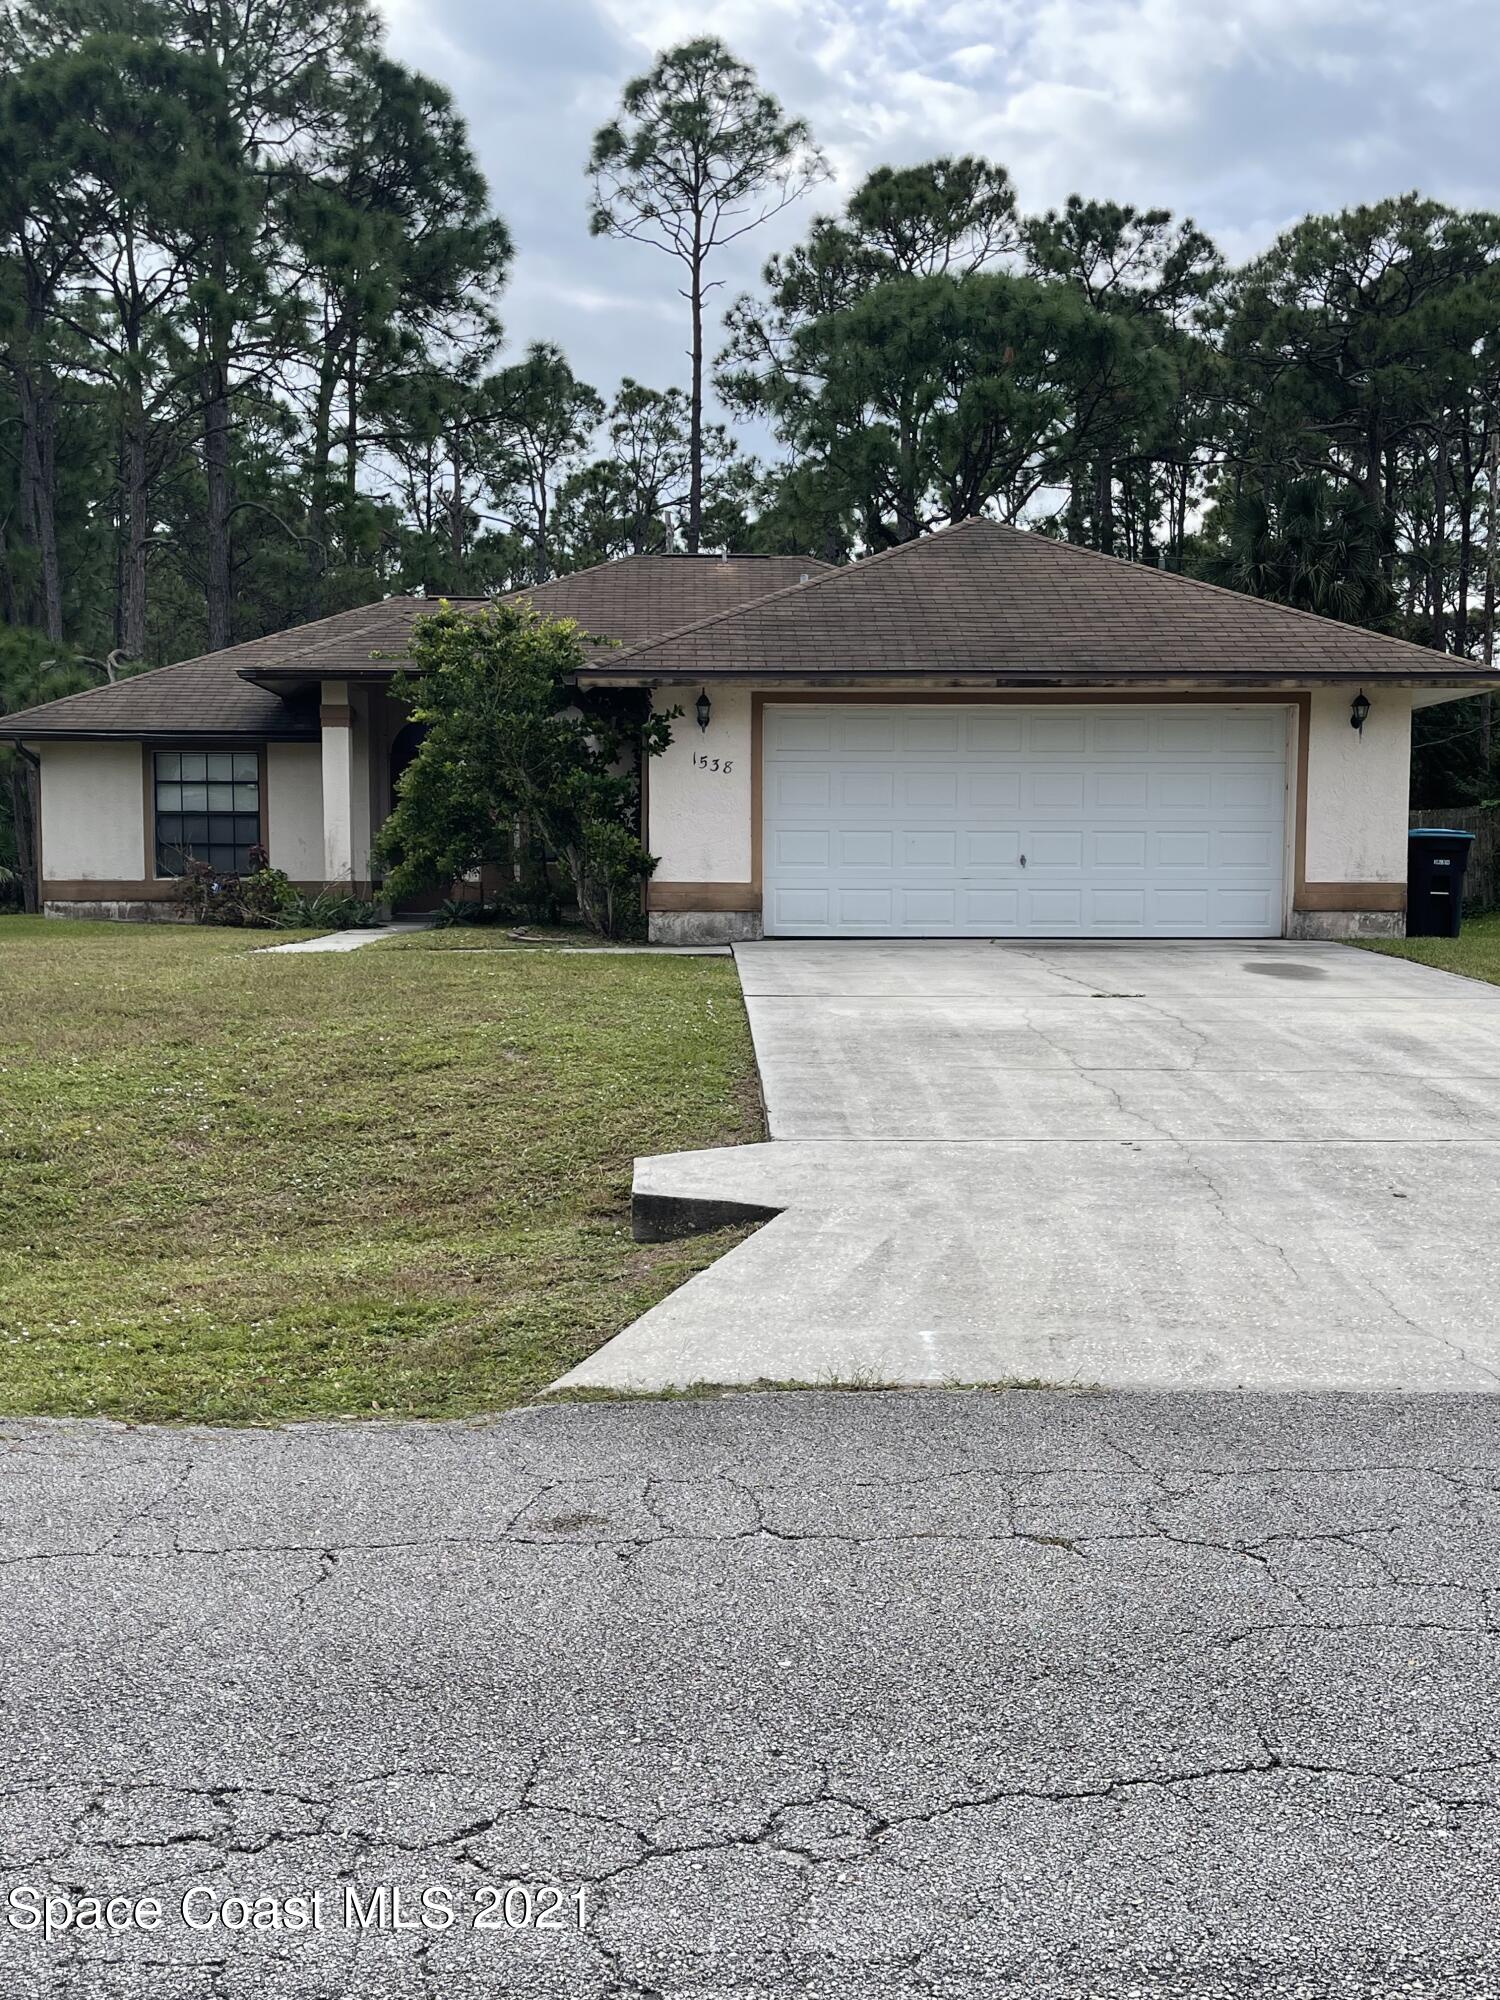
[
  {"x": 1082, "y": 679},
  {"x": 14, "y": 730}
]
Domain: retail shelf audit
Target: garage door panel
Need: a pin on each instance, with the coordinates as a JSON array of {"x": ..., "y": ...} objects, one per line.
[
  {"x": 993, "y": 791},
  {"x": 1118, "y": 909},
  {"x": 1054, "y": 848},
  {"x": 1117, "y": 848},
  {"x": 802, "y": 847},
  {"x": 1123, "y": 735},
  {"x": 868, "y": 736},
  {"x": 802, "y": 730},
  {"x": 929, "y": 847},
  {"x": 1185, "y": 789},
  {"x": 996, "y": 735},
  {"x": 930, "y": 788},
  {"x": 1261, "y": 734},
  {"x": 866, "y": 847},
  {"x": 1188, "y": 735},
  {"x": 1247, "y": 911},
  {"x": 869, "y": 789},
  {"x": 1151, "y": 822},
  {"x": 992, "y": 910},
  {"x": 1052, "y": 909},
  {"x": 867, "y": 908},
  {"x": 935, "y": 909},
  {"x": 1118, "y": 790},
  {"x": 990, "y": 848},
  {"x": 794, "y": 785},
  {"x": 1255, "y": 848},
  {"x": 1059, "y": 789},
  {"x": 798, "y": 909},
  {"x": 1246, "y": 790},
  {"x": 1185, "y": 909},
  {"x": 1052, "y": 735},
  {"x": 929, "y": 735},
  {"x": 1182, "y": 847}
]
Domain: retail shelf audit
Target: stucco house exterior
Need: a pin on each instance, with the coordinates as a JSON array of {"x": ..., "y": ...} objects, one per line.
[{"x": 981, "y": 733}]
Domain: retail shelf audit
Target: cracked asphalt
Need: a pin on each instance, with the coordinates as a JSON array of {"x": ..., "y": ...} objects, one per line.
[{"x": 848, "y": 1695}]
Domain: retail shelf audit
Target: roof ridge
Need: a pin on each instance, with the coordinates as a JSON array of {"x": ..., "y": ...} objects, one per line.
[
  {"x": 831, "y": 572},
  {"x": 655, "y": 555},
  {"x": 1008, "y": 530}
]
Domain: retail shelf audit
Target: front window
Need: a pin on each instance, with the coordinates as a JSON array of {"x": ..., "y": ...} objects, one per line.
[{"x": 207, "y": 809}]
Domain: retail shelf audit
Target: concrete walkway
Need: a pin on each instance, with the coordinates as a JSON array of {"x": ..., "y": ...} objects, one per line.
[
  {"x": 351, "y": 940},
  {"x": 1143, "y": 1166}
]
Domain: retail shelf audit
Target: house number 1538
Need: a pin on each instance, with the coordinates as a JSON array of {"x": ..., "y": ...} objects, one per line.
[{"x": 723, "y": 765}]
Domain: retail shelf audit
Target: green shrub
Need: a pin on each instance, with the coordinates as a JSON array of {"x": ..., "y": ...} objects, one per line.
[
  {"x": 512, "y": 742},
  {"x": 330, "y": 910}
]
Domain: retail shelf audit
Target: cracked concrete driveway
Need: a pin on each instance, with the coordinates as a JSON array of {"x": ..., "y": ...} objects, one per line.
[
  {"x": 861, "y": 1696},
  {"x": 1258, "y": 1165}
]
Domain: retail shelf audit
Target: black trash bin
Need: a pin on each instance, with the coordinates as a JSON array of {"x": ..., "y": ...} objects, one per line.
[{"x": 1436, "y": 857}]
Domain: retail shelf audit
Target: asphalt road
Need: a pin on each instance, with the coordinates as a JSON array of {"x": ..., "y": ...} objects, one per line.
[{"x": 855, "y": 1696}]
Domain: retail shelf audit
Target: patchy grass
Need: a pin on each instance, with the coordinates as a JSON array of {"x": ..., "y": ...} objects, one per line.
[
  {"x": 1475, "y": 954},
  {"x": 499, "y": 937},
  {"x": 244, "y": 1189},
  {"x": 852, "y": 1385}
]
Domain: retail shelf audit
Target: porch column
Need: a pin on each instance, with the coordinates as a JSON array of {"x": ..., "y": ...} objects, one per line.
[{"x": 337, "y": 718}]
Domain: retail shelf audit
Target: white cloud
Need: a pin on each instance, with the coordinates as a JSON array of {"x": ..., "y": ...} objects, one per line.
[{"x": 1244, "y": 114}]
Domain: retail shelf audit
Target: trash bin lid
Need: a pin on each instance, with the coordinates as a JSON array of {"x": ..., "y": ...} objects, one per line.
[{"x": 1438, "y": 833}]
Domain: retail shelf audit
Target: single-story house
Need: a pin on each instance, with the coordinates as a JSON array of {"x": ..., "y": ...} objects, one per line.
[{"x": 980, "y": 733}]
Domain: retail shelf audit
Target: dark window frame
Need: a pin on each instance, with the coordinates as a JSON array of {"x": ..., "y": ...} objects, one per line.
[{"x": 219, "y": 834}]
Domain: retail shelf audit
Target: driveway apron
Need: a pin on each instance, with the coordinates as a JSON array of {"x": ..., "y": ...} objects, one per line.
[{"x": 1160, "y": 1165}]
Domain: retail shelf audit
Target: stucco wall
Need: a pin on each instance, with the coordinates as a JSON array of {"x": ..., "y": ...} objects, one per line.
[
  {"x": 698, "y": 818},
  {"x": 294, "y": 809},
  {"x": 1357, "y": 788},
  {"x": 93, "y": 812}
]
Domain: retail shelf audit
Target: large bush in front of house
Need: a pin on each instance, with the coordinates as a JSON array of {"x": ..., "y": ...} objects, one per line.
[{"x": 510, "y": 744}]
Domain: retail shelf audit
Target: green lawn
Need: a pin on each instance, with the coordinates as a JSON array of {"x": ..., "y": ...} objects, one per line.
[
  {"x": 497, "y": 937},
  {"x": 1476, "y": 954},
  {"x": 241, "y": 1189}
]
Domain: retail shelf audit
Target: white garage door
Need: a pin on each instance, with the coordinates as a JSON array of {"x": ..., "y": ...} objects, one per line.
[{"x": 949, "y": 821}]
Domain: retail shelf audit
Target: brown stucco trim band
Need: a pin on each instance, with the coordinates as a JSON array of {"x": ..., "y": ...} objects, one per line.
[
  {"x": 158, "y": 891},
  {"x": 1351, "y": 896},
  {"x": 717, "y": 897}
]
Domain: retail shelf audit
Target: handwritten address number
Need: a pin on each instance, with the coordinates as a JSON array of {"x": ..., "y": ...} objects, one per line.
[{"x": 723, "y": 765}]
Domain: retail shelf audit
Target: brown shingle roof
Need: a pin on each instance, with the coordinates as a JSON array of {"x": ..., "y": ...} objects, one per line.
[
  {"x": 999, "y": 605},
  {"x": 644, "y": 597},
  {"x": 636, "y": 598},
  {"x": 211, "y": 697}
]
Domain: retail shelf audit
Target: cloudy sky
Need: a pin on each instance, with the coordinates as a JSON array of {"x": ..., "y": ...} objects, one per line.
[{"x": 1243, "y": 114}]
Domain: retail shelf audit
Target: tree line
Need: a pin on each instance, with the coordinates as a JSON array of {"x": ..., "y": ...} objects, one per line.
[{"x": 253, "y": 371}]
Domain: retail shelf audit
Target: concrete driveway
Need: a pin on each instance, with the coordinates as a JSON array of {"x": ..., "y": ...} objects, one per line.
[{"x": 1143, "y": 1166}]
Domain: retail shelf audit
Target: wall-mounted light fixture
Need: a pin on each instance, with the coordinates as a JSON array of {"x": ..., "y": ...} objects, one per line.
[
  {"x": 1359, "y": 710},
  {"x": 704, "y": 708}
]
